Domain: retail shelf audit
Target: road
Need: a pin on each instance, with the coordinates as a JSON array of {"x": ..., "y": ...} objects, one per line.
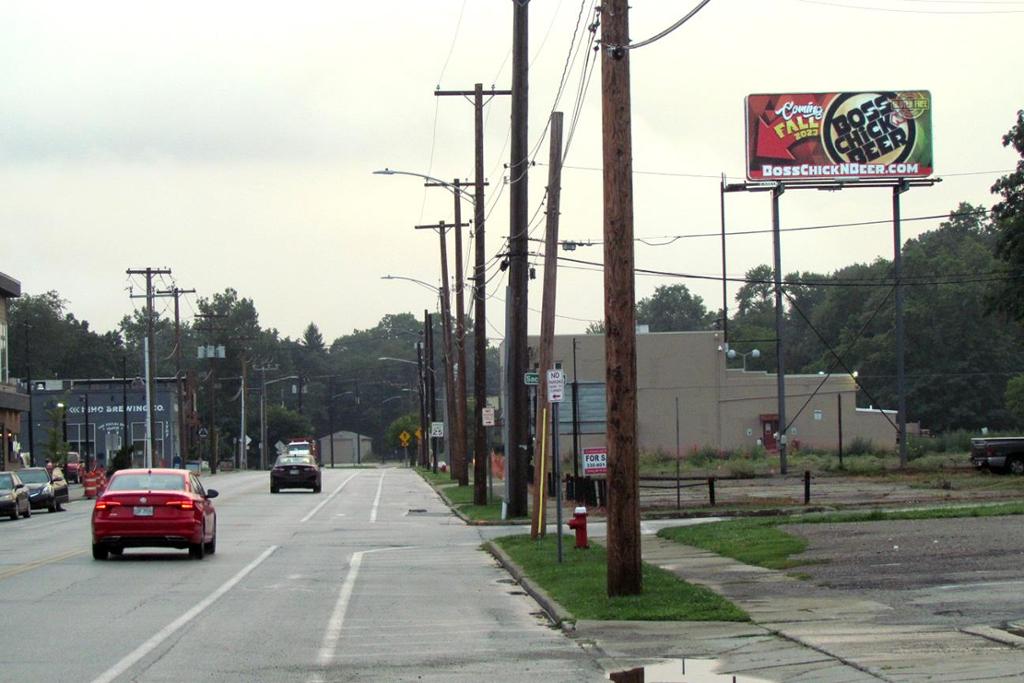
[{"x": 373, "y": 579}]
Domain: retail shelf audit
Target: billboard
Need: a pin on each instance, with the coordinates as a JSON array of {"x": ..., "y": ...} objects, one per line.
[{"x": 825, "y": 136}]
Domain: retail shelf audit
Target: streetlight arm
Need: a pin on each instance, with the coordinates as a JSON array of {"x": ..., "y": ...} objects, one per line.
[{"x": 431, "y": 179}]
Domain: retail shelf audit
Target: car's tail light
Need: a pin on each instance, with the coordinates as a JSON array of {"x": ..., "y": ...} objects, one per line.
[
  {"x": 182, "y": 504},
  {"x": 107, "y": 504}
]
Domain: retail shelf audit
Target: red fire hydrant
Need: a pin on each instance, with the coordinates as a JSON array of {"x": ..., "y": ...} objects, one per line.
[{"x": 578, "y": 523}]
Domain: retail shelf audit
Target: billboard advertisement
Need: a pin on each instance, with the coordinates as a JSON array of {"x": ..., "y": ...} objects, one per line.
[{"x": 827, "y": 136}]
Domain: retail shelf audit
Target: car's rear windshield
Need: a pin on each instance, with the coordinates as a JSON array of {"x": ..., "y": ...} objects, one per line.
[
  {"x": 34, "y": 476},
  {"x": 6, "y": 482},
  {"x": 147, "y": 482},
  {"x": 295, "y": 460}
]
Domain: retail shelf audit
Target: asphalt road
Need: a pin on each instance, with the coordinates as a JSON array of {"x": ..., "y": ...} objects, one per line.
[{"x": 373, "y": 579}]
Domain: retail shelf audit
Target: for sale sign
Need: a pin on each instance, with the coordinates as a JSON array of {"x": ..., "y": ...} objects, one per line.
[
  {"x": 595, "y": 461},
  {"x": 825, "y": 136}
]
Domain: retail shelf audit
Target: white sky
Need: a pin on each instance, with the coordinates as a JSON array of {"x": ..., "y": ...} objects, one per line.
[{"x": 234, "y": 141}]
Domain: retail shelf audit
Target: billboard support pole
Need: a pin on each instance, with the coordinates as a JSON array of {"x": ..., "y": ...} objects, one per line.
[
  {"x": 901, "y": 379},
  {"x": 898, "y": 187},
  {"x": 780, "y": 372}
]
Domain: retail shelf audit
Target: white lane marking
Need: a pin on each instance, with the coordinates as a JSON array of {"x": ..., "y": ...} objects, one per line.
[
  {"x": 376, "y": 500},
  {"x": 327, "y": 500},
  {"x": 333, "y": 632},
  {"x": 167, "y": 631}
]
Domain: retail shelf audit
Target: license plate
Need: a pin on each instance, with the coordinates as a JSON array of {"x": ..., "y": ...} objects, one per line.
[
  {"x": 143, "y": 511},
  {"x": 293, "y": 471}
]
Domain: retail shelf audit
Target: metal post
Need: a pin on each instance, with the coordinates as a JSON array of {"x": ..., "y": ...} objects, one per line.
[
  {"x": 85, "y": 444},
  {"x": 678, "y": 454},
  {"x": 901, "y": 379},
  {"x": 779, "y": 346},
  {"x": 725, "y": 295},
  {"x": 839, "y": 417},
  {"x": 556, "y": 468},
  {"x": 575, "y": 416},
  {"x": 148, "y": 462}
]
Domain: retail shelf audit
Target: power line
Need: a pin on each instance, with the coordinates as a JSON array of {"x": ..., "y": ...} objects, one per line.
[
  {"x": 909, "y": 11},
  {"x": 670, "y": 29},
  {"x": 670, "y": 239}
]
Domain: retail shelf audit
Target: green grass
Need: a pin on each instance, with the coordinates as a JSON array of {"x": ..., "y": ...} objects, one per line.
[
  {"x": 579, "y": 585},
  {"x": 759, "y": 541},
  {"x": 461, "y": 497},
  {"x": 753, "y": 541}
]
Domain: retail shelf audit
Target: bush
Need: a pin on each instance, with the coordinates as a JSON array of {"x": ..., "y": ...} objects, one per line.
[
  {"x": 860, "y": 446},
  {"x": 704, "y": 456}
]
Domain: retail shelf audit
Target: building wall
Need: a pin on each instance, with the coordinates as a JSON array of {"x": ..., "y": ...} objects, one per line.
[
  {"x": 12, "y": 401},
  {"x": 721, "y": 407},
  {"x": 106, "y": 417},
  {"x": 345, "y": 448}
]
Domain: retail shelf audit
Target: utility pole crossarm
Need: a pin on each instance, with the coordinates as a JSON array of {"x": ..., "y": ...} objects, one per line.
[{"x": 470, "y": 93}]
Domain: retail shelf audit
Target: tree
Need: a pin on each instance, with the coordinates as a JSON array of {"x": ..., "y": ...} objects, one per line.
[
  {"x": 55, "y": 448},
  {"x": 313, "y": 340},
  {"x": 1007, "y": 296},
  {"x": 283, "y": 424},
  {"x": 1015, "y": 398},
  {"x": 672, "y": 308}
]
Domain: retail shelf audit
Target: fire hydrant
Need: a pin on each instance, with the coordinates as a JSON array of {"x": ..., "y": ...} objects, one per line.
[{"x": 578, "y": 523}]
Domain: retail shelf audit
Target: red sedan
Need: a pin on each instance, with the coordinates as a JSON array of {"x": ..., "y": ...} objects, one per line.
[{"x": 161, "y": 508}]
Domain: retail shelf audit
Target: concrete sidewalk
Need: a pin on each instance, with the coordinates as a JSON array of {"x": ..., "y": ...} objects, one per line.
[{"x": 803, "y": 632}]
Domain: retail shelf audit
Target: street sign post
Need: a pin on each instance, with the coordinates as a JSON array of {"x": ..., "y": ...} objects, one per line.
[
  {"x": 488, "y": 416},
  {"x": 556, "y": 386},
  {"x": 531, "y": 379},
  {"x": 437, "y": 430}
]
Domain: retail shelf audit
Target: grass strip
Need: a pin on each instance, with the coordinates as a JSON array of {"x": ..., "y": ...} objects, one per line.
[
  {"x": 759, "y": 541},
  {"x": 579, "y": 585},
  {"x": 461, "y": 497}
]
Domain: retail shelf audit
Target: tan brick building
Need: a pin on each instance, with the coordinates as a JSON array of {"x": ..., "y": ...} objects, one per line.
[{"x": 718, "y": 406}]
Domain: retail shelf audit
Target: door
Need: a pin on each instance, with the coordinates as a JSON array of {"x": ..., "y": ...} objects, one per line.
[{"x": 769, "y": 428}]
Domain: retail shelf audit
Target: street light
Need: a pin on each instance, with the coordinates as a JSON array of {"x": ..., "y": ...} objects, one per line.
[
  {"x": 432, "y": 288},
  {"x": 732, "y": 353},
  {"x": 430, "y": 179}
]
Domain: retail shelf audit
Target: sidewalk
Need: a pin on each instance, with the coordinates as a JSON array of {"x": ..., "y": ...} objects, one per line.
[{"x": 801, "y": 632}]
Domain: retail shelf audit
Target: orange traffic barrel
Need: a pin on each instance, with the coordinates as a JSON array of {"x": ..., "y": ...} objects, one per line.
[{"x": 91, "y": 483}]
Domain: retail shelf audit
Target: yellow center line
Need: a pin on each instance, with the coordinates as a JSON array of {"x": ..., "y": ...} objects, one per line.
[{"x": 22, "y": 568}]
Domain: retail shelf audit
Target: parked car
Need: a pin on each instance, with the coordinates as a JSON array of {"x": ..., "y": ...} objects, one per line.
[
  {"x": 999, "y": 454},
  {"x": 160, "y": 508},
  {"x": 13, "y": 496},
  {"x": 295, "y": 472},
  {"x": 46, "y": 489},
  {"x": 73, "y": 468}
]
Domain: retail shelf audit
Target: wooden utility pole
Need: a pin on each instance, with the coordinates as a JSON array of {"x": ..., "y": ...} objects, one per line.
[
  {"x": 517, "y": 408},
  {"x": 431, "y": 385},
  {"x": 460, "y": 469},
  {"x": 183, "y": 440},
  {"x": 480, "y": 454},
  {"x": 457, "y": 451},
  {"x": 624, "y": 575},
  {"x": 459, "y": 437},
  {"x": 547, "y": 320},
  {"x": 151, "y": 337}
]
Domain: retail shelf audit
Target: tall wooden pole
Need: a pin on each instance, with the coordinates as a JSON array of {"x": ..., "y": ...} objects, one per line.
[
  {"x": 517, "y": 408},
  {"x": 459, "y": 437},
  {"x": 481, "y": 462},
  {"x": 780, "y": 347},
  {"x": 624, "y": 575},
  {"x": 547, "y": 319}
]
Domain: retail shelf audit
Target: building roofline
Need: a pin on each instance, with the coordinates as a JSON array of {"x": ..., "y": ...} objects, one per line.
[{"x": 9, "y": 287}]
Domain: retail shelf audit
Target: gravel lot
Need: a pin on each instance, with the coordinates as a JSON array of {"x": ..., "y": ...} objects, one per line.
[{"x": 968, "y": 571}]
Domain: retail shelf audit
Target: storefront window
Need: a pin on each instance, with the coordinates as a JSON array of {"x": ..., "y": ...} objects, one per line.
[{"x": 3, "y": 353}]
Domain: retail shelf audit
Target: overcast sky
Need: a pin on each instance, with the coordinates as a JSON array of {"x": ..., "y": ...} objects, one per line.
[{"x": 234, "y": 142}]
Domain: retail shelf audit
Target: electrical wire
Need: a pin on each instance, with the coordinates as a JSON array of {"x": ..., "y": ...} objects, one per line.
[
  {"x": 662, "y": 34},
  {"x": 670, "y": 239}
]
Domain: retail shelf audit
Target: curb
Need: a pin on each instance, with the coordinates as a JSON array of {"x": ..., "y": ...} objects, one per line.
[{"x": 555, "y": 613}]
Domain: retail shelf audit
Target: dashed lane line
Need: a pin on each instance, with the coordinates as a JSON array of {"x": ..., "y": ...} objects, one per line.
[
  {"x": 327, "y": 500},
  {"x": 166, "y": 632}
]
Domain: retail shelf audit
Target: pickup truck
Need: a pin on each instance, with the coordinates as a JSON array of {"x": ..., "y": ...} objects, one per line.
[{"x": 999, "y": 454}]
